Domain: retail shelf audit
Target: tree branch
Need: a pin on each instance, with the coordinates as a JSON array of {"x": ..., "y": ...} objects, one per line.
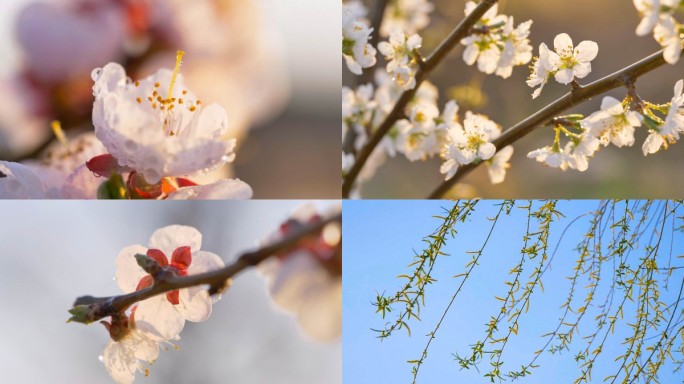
[
  {"x": 580, "y": 94},
  {"x": 460, "y": 32},
  {"x": 101, "y": 307}
]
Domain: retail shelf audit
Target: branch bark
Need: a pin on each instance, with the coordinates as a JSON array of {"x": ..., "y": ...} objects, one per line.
[
  {"x": 622, "y": 77},
  {"x": 428, "y": 66}
]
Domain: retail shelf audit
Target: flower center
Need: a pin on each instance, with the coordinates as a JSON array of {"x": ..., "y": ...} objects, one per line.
[
  {"x": 169, "y": 107},
  {"x": 180, "y": 262}
]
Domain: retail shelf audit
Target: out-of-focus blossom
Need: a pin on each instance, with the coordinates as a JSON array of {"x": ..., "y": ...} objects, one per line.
[
  {"x": 668, "y": 132},
  {"x": 407, "y": 15},
  {"x": 358, "y": 53},
  {"x": 307, "y": 281},
  {"x": 17, "y": 181}
]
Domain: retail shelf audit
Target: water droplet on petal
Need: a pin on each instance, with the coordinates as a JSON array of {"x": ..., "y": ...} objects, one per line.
[
  {"x": 101, "y": 358},
  {"x": 96, "y": 73}
]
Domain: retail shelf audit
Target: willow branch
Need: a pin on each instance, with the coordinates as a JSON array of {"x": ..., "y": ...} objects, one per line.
[
  {"x": 623, "y": 77},
  {"x": 461, "y": 31},
  {"x": 101, "y": 307}
]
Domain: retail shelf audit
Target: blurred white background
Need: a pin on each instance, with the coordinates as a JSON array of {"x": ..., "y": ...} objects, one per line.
[{"x": 53, "y": 252}]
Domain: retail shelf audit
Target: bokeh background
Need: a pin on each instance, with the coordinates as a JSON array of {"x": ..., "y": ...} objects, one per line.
[
  {"x": 613, "y": 172},
  {"x": 270, "y": 63},
  {"x": 53, "y": 252}
]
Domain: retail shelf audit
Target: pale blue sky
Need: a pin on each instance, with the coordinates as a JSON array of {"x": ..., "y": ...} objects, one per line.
[{"x": 378, "y": 240}]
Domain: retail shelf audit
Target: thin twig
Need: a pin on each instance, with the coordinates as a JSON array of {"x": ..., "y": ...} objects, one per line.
[
  {"x": 460, "y": 32},
  {"x": 622, "y": 77},
  {"x": 215, "y": 279}
]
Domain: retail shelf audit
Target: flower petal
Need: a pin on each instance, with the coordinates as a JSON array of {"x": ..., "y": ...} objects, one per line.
[
  {"x": 195, "y": 304},
  {"x": 562, "y": 42},
  {"x": 204, "y": 261},
  {"x": 586, "y": 51},
  {"x": 128, "y": 272},
  {"x": 564, "y": 76},
  {"x": 158, "y": 319},
  {"x": 169, "y": 238},
  {"x": 120, "y": 361}
]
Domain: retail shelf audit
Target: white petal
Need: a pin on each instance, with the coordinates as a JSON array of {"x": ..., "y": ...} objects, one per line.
[
  {"x": 225, "y": 189},
  {"x": 470, "y": 54},
  {"x": 128, "y": 272},
  {"x": 120, "y": 362},
  {"x": 652, "y": 143},
  {"x": 203, "y": 261},
  {"x": 486, "y": 151},
  {"x": 562, "y": 42},
  {"x": 586, "y": 51},
  {"x": 169, "y": 238},
  {"x": 158, "y": 319},
  {"x": 610, "y": 104},
  {"x": 146, "y": 349},
  {"x": 564, "y": 76},
  {"x": 195, "y": 304},
  {"x": 581, "y": 69}
]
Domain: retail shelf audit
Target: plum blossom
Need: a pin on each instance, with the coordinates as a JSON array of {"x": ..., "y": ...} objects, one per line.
[
  {"x": 421, "y": 137},
  {"x": 407, "y": 15},
  {"x": 399, "y": 50},
  {"x": 613, "y": 123},
  {"x": 668, "y": 132},
  {"x": 565, "y": 64},
  {"x": 156, "y": 126},
  {"x": 651, "y": 12},
  {"x": 224, "y": 189},
  {"x": 128, "y": 350},
  {"x": 176, "y": 249},
  {"x": 554, "y": 157},
  {"x": 668, "y": 33},
  {"x": 568, "y": 62},
  {"x": 356, "y": 50},
  {"x": 468, "y": 142},
  {"x": 496, "y": 45},
  {"x": 307, "y": 281}
]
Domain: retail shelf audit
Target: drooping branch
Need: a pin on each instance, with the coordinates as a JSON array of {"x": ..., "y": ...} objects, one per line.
[
  {"x": 461, "y": 31},
  {"x": 95, "y": 308},
  {"x": 624, "y": 77}
]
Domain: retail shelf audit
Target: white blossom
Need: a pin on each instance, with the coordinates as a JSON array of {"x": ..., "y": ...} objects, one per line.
[
  {"x": 356, "y": 50},
  {"x": 468, "y": 142},
  {"x": 407, "y": 15},
  {"x": 613, "y": 123},
  {"x": 668, "y": 132},
  {"x": 398, "y": 51},
  {"x": 668, "y": 33},
  {"x": 122, "y": 358},
  {"x": 157, "y": 126},
  {"x": 568, "y": 62}
]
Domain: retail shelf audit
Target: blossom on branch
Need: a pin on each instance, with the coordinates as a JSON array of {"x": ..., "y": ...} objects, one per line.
[
  {"x": 566, "y": 64},
  {"x": 307, "y": 281},
  {"x": 356, "y": 50},
  {"x": 668, "y": 132},
  {"x": 613, "y": 123},
  {"x": 176, "y": 249},
  {"x": 496, "y": 44},
  {"x": 407, "y": 15}
]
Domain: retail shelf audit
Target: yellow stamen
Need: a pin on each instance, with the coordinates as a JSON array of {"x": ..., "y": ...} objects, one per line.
[
  {"x": 59, "y": 133},
  {"x": 179, "y": 61}
]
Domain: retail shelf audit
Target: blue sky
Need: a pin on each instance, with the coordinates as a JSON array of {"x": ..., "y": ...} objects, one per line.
[{"x": 379, "y": 237}]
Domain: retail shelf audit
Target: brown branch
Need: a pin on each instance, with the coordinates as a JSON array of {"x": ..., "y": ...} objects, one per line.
[
  {"x": 579, "y": 94},
  {"x": 461, "y": 31},
  {"x": 101, "y": 307}
]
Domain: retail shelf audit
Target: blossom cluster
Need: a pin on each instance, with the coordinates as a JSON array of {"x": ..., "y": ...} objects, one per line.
[
  {"x": 614, "y": 123},
  {"x": 425, "y": 132},
  {"x": 495, "y": 43},
  {"x": 152, "y": 136},
  {"x": 137, "y": 337},
  {"x": 358, "y": 53},
  {"x": 657, "y": 17}
]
